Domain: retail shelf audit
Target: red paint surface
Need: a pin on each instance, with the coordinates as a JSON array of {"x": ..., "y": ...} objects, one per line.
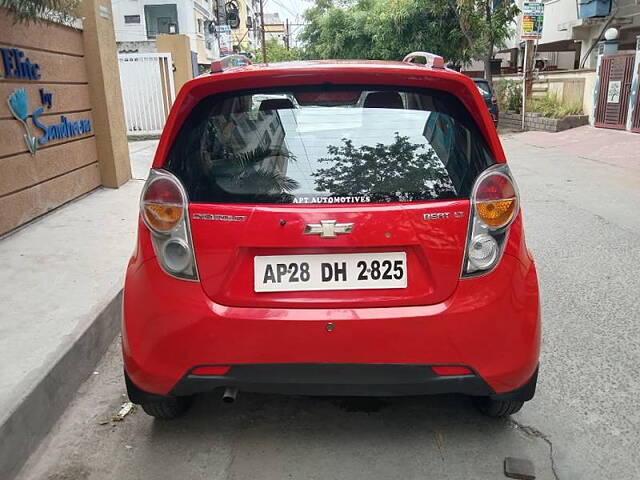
[
  {"x": 225, "y": 250},
  {"x": 489, "y": 323}
]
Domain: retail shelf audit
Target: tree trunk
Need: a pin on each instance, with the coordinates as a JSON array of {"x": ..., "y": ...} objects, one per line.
[
  {"x": 487, "y": 65},
  {"x": 489, "y": 55}
]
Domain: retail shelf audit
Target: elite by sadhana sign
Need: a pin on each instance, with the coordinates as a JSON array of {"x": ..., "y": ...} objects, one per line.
[
  {"x": 48, "y": 144},
  {"x": 18, "y": 66}
]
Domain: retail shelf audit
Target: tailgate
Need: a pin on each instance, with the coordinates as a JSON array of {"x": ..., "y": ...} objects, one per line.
[{"x": 429, "y": 252}]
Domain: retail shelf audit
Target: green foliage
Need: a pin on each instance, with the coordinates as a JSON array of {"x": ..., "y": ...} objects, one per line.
[
  {"x": 509, "y": 95},
  {"x": 277, "y": 52},
  {"x": 395, "y": 172},
  {"x": 549, "y": 106},
  {"x": 486, "y": 23},
  {"x": 26, "y": 11},
  {"x": 384, "y": 29},
  {"x": 459, "y": 30}
]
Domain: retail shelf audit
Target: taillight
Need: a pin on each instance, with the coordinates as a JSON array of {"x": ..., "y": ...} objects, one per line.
[
  {"x": 495, "y": 200},
  {"x": 494, "y": 206},
  {"x": 163, "y": 208},
  {"x": 162, "y": 204}
]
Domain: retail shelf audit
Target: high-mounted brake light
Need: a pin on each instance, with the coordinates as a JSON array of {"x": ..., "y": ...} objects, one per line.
[
  {"x": 494, "y": 206},
  {"x": 163, "y": 208}
]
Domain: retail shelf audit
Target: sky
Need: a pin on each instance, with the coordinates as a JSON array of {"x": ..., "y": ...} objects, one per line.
[
  {"x": 291, "y": 9},
  {"x": 287, "y": 8}
]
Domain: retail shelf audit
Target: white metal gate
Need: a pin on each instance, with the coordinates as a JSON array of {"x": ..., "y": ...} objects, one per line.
[{"x": 147, "y": 91}]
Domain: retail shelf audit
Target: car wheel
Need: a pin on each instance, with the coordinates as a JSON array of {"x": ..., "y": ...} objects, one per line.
[
  {"x": 167, "y": 408},
  {"x": 497, "y": 408}
]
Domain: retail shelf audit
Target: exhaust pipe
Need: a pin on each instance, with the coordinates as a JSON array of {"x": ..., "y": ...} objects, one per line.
[{"x": 230, "y": 394}]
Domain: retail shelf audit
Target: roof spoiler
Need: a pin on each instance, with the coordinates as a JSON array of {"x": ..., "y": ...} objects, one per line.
[
  {"x": 229, "y": 61},
  {"x": 431, "y": 60}
]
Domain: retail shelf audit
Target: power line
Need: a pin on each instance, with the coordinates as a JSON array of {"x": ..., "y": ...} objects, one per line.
[{"x": 286, "y": 8}]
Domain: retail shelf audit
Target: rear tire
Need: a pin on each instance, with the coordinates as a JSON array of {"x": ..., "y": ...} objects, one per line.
[
  {"x": 497, "y": 408},
  {"x": 167, "y": 408}
]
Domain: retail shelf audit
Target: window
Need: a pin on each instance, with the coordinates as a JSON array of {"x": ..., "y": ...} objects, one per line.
[
  {"x": 200, "y": 28},
  {"x": 132, "y": 19},
  {"x": 161, "y": 19},
  {"x": 484, "y": 87},
  {"x": 371, "y": 144}
]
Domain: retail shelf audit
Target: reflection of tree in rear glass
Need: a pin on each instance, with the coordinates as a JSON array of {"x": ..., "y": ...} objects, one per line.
[
  {"x": 255, "y": 174},
  {"x": 385, "y": 173}
]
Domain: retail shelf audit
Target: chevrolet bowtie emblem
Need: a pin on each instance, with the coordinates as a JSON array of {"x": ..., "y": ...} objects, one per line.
[{"x": 327, "y": 228}]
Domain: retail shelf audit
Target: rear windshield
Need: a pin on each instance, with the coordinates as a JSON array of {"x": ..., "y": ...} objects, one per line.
[{"x": 328, "y": 145}]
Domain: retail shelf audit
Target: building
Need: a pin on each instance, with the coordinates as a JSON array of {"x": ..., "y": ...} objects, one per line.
[
  {"x": 243, "y": 17},
  {"x": 138, "y": 22},
  {"x": 588, "y": 55},
  {"x": 571, "y": 31},
  {"x": 61, "y": 103},
  {"x": 274, "y": 28}
]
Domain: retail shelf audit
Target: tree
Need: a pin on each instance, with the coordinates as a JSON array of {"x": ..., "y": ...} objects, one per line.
[
  {"x": 486, "y": 24},
  {"x": 276, "y": 52},
  {"x": 397, "y": 172},
  {"x": 384, "y": 29},
  {"x": 389, "y": 29},
  {"x": 337, "y": 31},
  {"x": 417, "y": 25},
  {"x": 25, "y": 11}
]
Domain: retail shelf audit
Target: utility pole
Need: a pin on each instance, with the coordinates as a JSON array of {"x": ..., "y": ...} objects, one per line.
[
  {"x": 221, "y": 12},
  {"x": 528, "y": 84},
  {"x": 527, "y": 76},
  {"x": 286, "y": 34},
  {"x": 264, "y": 44},
  {"x": 532, "y": 21}
]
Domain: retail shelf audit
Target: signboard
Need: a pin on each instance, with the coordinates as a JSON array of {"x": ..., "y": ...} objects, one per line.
[
  {"x": 532, "y": 16},
  {"x": 224, "y": 38},
  {"x": 18, "y": 65}
]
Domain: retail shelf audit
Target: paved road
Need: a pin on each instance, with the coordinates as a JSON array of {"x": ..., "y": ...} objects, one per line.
[{"x": 582, "y": 220}]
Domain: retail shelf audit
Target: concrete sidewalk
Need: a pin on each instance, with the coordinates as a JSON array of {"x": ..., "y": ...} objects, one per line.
[
  {"x": 614, "y": 147},
  {"x": 61, "y": 277}
]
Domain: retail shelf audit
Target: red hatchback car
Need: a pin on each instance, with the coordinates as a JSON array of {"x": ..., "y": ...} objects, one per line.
[{"x": 331, "y": 228}]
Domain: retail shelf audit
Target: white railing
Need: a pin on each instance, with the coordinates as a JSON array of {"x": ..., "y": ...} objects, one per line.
[{"x": 147, "y": 91}]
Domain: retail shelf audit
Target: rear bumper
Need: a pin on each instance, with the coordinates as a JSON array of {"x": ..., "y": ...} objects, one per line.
[
  {"x": 317, "y": 379},
  {"x": 337, "y": 380},
  {"x": 490, "y": 324}
]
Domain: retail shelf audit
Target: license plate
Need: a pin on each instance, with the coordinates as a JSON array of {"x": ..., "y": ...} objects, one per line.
[{"x": 347, "y": 271}]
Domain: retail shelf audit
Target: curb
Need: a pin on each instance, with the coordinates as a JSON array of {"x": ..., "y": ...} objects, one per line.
[
  {"x": 144, "y": 136},
  {"x": 22, "y": 430}
]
